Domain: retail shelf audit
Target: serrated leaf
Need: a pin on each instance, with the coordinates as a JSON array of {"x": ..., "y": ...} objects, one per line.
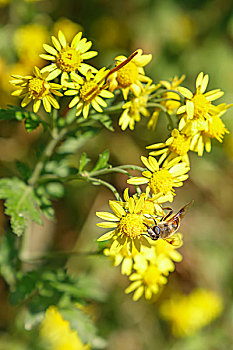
[
  {"x": 102, "y": 161},
  {"x": 83, "y": 161},
  {"x": 105, "y": 120},
  {"x": 20, "y": 202}
]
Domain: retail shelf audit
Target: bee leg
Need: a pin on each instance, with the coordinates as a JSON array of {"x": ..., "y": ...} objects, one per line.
[
  {"x": 147, "y": 226},
  {"x": 168, "y": 214}
]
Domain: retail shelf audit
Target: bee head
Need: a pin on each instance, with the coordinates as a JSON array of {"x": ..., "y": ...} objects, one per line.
[{"x": 154, "y": 232}]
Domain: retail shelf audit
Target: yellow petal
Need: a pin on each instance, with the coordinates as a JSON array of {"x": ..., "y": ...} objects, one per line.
[
  {"x": 107, "y": 216},
  {"x": 117, "y": 209},
  {"x": 106, "y": 236}
]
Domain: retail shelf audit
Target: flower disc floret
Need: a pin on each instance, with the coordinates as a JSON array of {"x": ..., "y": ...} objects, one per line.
[
  {"x": 127, "y": 75},
  {"x": 161, "y": 181},
  {"x": 131, "y": 225},
  {"x": 68, "y": 59}
]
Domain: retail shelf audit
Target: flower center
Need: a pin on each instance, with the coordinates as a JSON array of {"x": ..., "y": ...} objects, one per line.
[
  {"x": 216, "y": 128},
  {"x": 68, "y": 59},
  {"x": 180, "y": 145},
  {"x": 127, "y": 75},
  {"x": 89, "y": 91},
  {"x": 161, "y": 181},
  {"x": 36, "y": 87},
  {"x": 201, "y": 106},
  {"x": 151, "y": 276},
  {"x": 131, "y": 225}
]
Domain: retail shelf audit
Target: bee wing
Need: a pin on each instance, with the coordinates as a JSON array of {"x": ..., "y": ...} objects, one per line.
[{"x": 181, "y": 213}]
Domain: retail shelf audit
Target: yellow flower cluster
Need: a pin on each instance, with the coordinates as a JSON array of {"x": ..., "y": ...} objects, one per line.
[
  {"x": 56, "y": 332},
  {"x": 199, "y": 123},
  {"x": 147, "y": 262},
  {"x": 78, "y": 79},
  {"x": 189, "y": 313}
]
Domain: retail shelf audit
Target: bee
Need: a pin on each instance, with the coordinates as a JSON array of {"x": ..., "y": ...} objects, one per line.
[{"x": 168, "y": 225}]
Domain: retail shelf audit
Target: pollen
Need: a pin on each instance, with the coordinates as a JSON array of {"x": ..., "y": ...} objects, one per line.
[
  {"x": 161, "y": 182},
  {"x": 180, "y": 145},
  {"x": 131, "y": 225},
  {"x": 89, "y": 91},
  {"x": 68, "y": 59},
  {"x": 36, "y": 87},
  {"x": 201, "y": 106},
  {"x": 216, "y": 128},
  {"x": 127, "y": 75}
]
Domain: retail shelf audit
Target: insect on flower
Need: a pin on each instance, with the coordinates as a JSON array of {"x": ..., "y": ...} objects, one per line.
[{"x": 168, "y": 225}]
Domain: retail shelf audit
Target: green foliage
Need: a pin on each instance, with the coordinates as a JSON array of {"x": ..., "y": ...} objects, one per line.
[
  {"x": 102, "y": 161},
  {"x": 44, "y": 287},
  {"x": 105, "y": 120},
  {"x": 31, "y": 119},
  {"x": 20, "y": 202},
  {"x": 8, "y": 257}
]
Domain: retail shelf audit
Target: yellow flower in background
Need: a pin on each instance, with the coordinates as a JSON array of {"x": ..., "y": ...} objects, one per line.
[
  {"x": 173, "y": 84},
  {"x": 176, "y": 145},
  {"x": 28, "y": 41},
  {"x": 91, "y": 91},
  {"x": 57, "y": 332},
  {"x": 162, "y": 180},
  {"x": 68, "y": 28},
  {"x": 131, "y": 76},
  {"x": 4, "y": 3},
  {"x": 136, "y": 107},
  {"x": 170, "y": 105},
  {"x": 127, "y": 226},
  {"x": 36, "y": 88},
  {"x": 189, "y": 313},
  {"x": 147, "y": 281},
  {"x": 67, "y": 59},
  {"x": 199, "y": 105}
]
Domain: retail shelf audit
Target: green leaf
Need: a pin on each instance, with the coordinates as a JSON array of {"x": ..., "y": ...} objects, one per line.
[
  {"x": 105, "y": 120},
  {"x": 83, "y": 161},
  {"x": 20, "y": 202},
  {"x": 32, "y": 120},
  {"x": 8, "y": 257},
  {"x": 73, "y": 143},
  {"x": 102, "y": 161}
]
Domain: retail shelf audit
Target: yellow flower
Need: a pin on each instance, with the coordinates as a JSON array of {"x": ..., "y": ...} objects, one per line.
[
  {"x": 57, "y": 332},
  {"x": 162, "y": 180},
  {"x": 135, "y": 107},
  {"x": 28, "y": 41},
  {"x": 148, "y": 281},
  {"x": 198, "y": 105},
  {"x": 127, "y": 226},
  {"x": 36, "y": 88},
  {"x": 68, "y": 59},
  {"x": 90, "y": 91},
  {"x": 189, "y": 313},
  {"x": 170, "y": 105},
  {"x": 176, "y": 145},
  {"x": 131, "y": 76}
]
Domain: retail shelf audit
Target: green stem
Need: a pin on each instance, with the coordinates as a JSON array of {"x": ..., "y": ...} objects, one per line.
[{"x": 106, "y": 184}]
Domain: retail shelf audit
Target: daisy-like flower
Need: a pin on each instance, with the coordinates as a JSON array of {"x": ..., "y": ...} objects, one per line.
[
  {"x": 176, "y": 145},
  {"x": 36, "y": 88},
  {"x": 199, "y": 105},
  {"x": 148, "y": 281},
  {"x": 136, "y": 107},
  {"x": 67, "y": 59},
  {"x": 131, "y": 76},
  {"x": 127, "y": 226},
  {"x": 173, "y": 84},
  {"x": 57, "y": 332},
  {"x": 189, "y": 313},
  {"x": 162, "y": 180},
  {"x": 90, "y": 92},
  {"x": 170, "y": 105}
]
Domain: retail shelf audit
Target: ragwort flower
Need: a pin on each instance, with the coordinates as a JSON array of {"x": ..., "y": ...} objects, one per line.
[
  {"x": 127, "y": 226},
  {"x": 176, "y": 145},
  {"x": 162, "y": 180},
  {"x": 136, "y": 107},
  {"x": 36, "y": 88},
  {"x": 89, "y": 92},
  {"x": 67, "y": 59},
  {"x": 57, "y": 332},
  {"x": 131, "y": 76},
  {"x": 189, "y": 313}
]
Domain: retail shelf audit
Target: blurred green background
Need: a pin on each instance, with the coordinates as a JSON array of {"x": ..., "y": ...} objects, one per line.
[{"x": 184, "y": 37}]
